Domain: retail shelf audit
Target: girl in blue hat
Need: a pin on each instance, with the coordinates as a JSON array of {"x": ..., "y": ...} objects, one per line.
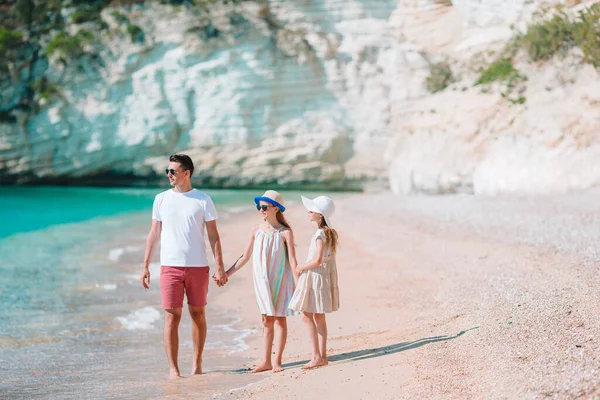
[{"x": 273, "y": 255}]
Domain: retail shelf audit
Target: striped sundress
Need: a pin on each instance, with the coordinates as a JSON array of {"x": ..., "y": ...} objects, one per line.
[{"x": 272, "y": 273}]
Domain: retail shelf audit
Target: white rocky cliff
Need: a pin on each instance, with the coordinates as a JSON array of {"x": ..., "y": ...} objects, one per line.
[
  {"x": 259, "y": 93},
  {"x": 465, "y": 139},
  {"x": 320, "y": 93}
]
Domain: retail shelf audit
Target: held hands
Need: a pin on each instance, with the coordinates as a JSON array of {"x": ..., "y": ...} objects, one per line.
[{"x": 220, "y": 277}]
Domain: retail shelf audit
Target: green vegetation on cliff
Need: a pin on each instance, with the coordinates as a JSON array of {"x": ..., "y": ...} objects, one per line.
[
  {"x": 136, "y": 34},
  {"x": 440, "y": 77},
  {"x": 554, "y": 35},
  {"x": 561, "y": 33},
  {"x": 36, "y": 33},
  {"x": 499, "y": 70},
  {"x": 9, "y": 40},
  {"x": 69, "y": 47}
]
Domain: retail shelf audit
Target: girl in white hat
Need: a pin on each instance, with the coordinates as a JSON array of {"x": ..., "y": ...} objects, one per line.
[
  {"x": 273, "y": 255},
  {"x": 317, "y": 292}
]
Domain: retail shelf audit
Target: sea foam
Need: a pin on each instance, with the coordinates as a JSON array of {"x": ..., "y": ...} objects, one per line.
[
  {"x": 143, "y": 318},
  {"x": 115, "y": 254}
]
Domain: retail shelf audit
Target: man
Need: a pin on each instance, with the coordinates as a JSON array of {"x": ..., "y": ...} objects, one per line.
[{"x": 179, "y": 216}]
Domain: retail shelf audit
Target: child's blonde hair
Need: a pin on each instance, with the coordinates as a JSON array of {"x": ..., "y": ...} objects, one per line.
[
  {"x": 281, "y": 219},
  {"x": 331, "y": 235}
]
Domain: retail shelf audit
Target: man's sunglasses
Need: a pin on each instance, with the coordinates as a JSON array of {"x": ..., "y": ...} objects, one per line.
[
  {"x": 170, "y": 171},
  {"x": 264, "y": 208}
]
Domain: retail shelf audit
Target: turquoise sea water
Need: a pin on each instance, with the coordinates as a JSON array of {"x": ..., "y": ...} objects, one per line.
[
  {"x": 55, "y": 238},
  {"x": 71, "y": 305},
  {"x": 24, "y": 209}
]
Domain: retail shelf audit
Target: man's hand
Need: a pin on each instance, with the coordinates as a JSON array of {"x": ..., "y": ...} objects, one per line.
[
  {"x": 153, "y": 237},
  {"x": 220, "y": 277},
  {"x": 145, "y": 278},
  {"x": 215, "y": 244}
]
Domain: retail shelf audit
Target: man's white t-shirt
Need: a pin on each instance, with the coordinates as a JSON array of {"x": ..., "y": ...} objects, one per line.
[{"x": 183, "y": 216}]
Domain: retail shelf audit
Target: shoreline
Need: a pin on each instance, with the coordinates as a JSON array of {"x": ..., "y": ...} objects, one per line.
[
  {"x": 157, "y": 181},
  {"x": 107, "y": 322}
]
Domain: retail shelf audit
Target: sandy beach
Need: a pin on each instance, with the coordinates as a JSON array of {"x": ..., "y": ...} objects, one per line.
[{"x": 441, "y": 297}]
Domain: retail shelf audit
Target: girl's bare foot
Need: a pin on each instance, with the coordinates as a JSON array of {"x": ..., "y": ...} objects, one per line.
[
  {"x": 196, "y": 370},
  {"x": 277, "y": 368},
  {"x": 197, "y": 367},
  {"x": 262, "y": 367},
  {"x": 174, "y": 374},
  {"x": 315, "y": 363}
]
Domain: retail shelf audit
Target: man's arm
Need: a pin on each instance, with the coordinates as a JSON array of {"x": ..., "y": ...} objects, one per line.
[
  {"x": 153, "y": 237},
  {"x": 215, "y": 245}
]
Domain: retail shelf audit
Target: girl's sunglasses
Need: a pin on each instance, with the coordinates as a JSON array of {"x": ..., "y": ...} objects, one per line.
[{"x": 264, "y": 208}]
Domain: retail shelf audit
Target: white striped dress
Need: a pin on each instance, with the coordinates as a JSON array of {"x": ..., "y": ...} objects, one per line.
[{"x": 272, "y": 273}]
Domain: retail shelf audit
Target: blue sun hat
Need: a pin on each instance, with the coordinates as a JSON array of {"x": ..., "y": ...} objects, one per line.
[{"x": 272, "y": 197}]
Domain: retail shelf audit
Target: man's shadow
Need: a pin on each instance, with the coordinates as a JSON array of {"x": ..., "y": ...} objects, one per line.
[{"x": 375, "y": 352}]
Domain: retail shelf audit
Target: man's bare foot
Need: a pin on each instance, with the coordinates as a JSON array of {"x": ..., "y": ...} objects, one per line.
[
  {"x": 262, "y": 367},
  {"x": 174, "y": 374},
  {"x": 277, "y": 368},
  {"x": 315, "y": 363}
]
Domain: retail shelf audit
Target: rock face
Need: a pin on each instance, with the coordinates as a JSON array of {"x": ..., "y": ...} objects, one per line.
[
  {"x": 479, "y": 143},
  {"x": 293, "y": 90},
  {"x": 319, "y": 93},
  {"x": 464, "y": 140}
]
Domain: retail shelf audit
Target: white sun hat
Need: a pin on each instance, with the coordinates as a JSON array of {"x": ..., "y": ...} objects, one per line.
[{"x": 322, "y": 205}]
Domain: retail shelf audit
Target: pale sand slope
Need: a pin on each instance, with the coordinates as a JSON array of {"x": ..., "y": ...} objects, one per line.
[{"x": 445, "y": 297}]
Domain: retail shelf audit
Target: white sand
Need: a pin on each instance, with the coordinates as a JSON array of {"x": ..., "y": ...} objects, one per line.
[{"x": 443, "y": 297}]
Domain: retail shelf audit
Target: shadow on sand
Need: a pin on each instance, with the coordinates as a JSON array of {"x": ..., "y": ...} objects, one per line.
[{"x": 374, "y": 352}]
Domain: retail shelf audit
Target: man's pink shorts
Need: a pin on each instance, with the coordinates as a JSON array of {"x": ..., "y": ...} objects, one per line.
[{"x": 174, "y": 281}]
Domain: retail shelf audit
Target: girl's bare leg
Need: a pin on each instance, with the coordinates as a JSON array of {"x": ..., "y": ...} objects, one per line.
[
  {"x": 265, "y": 364},
  {"x": 281, "y": 335},
  {"x": 315, "y": 360},
  {"x": 321, "y": 324}
]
